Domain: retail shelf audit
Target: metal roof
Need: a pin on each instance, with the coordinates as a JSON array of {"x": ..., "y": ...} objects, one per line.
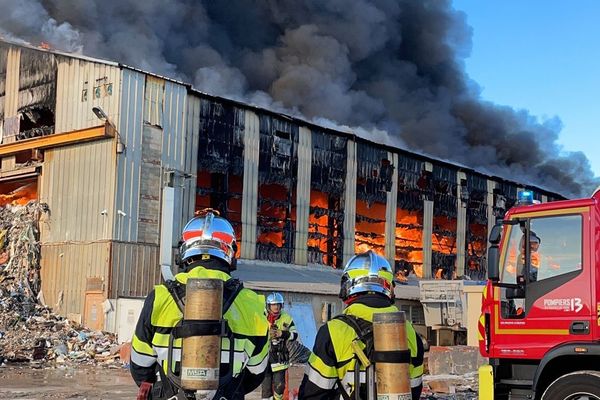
[
  {"x": 270, "y": 276},
  {"x": 298, "y": 119}
]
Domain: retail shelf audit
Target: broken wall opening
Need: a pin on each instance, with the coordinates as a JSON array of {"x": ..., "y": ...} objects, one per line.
[
  {"x": 37, "y": 94},
  {"x": 327, "y": 188},
  {"x": 373, "y": 181},
  {"x": 505, "y": 197},
  {"x": 443, "y": 240},
  {"x": 220, "y": 168},
  {"x": 18, "y": 192},
  {"x": 477, "y": 220},
  {"x": 3, "y": 61},
  {"x": 409, "y": 220},
  {"x": 277, "y": 177}
]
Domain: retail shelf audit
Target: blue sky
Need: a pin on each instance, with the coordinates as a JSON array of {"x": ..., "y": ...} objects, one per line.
[{"x": 543, "y": 56}]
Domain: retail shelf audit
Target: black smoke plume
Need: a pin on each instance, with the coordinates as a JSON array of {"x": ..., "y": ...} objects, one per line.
[{"x": 384, "y": 65}]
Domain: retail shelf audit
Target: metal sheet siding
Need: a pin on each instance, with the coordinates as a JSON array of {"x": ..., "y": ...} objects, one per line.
[
  {"x": 134, "y": 269},
  {"x": 303, "y": 195},
  {"x": 174, "y": 137},
  {"x": 82, "y": 85},
  {"x": 13, "y": 66},
  {"x": 129, "y": 164},
  {"x": 250, "y": 195},
  {"x": 390, "y": 213},
  {"x": 78, "y": 184},
  {"x": 191, "y": 157},
  {"x": 350, "y": 202},
  {"x": 179, "y": 151},
  {"x": 66, "y": 269}
]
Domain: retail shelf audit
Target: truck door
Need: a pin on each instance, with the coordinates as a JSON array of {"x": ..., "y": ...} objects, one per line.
[{"x": 555, "y": 305}]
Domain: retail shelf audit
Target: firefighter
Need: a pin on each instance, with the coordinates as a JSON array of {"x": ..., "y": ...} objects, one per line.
[
  {"x": 282, "y": 331},
  {"x": 207, "y": 250},
  {"x": 367, "y": 287},
  {"x": 534, "y": 246}
]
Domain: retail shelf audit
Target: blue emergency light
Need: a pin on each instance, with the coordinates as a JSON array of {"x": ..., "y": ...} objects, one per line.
[{"x": 525, "y": 197}]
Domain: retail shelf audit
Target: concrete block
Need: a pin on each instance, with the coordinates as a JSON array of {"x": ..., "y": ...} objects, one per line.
[{"x": 454, "y": 360}]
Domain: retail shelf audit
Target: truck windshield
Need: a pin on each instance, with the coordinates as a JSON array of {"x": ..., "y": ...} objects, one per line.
[{"x": 555, "y": 247}]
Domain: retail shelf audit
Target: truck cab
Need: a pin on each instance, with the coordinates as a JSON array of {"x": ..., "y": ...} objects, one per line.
[{"x": 540, "y": 320}]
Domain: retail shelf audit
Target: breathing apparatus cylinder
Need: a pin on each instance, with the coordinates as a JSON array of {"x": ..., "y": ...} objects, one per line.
[
  {"x": 391, "y": 356},
  {"x": 201, "y": 354}
]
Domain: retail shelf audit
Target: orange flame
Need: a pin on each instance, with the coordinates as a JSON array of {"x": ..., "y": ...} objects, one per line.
[
  {"x": 409, "y": 239},
  {"x": 21, "y": 195},
  {"x": 370, "y": 229}
]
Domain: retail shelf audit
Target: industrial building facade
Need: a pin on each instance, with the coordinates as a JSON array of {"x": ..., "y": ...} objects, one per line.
[{"x": 296, "y": 193}]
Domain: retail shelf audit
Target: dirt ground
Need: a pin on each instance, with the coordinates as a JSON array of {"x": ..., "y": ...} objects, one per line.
[{"x": 85, "y": 382}]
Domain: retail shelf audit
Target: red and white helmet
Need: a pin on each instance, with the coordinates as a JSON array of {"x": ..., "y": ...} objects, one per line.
[{"x": 210, "y": 234}]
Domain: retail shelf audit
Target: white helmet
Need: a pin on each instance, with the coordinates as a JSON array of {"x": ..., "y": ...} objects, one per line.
[
  {"x": 275, "y": 298},
  {"x": 209, "y": 234},
  {"x": 367, "y": 273}
]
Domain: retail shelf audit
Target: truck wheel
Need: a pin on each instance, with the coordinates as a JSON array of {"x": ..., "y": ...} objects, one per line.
[{"x": 580, "y": 385}]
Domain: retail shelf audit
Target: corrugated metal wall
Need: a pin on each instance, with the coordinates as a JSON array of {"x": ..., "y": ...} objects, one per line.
[
  {"x": 129, "y": 164},
  {"x": 303, "y": 195},
  {"x": 350, "y": 201},
  {"x": 166, "y": 137},
  {"x": 78, "y": 184},
  {"x": 191, "y": 161},
  {"x": 82, "y": 85},
  {"x": 180, "y": 150},
  {"x": 3, "y": 59},
  {"x": 134, "y": 269},
  {"x": 68, "y": 268}
]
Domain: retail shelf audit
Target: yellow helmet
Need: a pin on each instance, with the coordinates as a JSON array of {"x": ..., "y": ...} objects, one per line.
[{"x": 367, "y": 273}]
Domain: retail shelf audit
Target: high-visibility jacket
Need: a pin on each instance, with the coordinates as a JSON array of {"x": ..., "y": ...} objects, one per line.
[
  {"x": 279, "y": 354},
  {"x": 245, "y": 318},
  {"x": 331, "y": 364}
]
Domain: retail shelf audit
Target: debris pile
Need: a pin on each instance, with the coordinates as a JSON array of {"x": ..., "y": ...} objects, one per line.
[{"x": 29, "y": 330}]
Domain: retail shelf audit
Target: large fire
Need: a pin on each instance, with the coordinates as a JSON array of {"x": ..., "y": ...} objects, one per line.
[
  {"x": 409, "y": 242},
  {"x": 443, "y": 241},
  {"x": 18, "y": 193},
  {"x": 223, "y": 193},
  {"x": 370, "y": 227},
  {"x": 323, "y": 229}
]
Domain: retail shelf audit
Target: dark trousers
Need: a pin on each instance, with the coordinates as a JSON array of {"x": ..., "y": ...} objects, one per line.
[
  {"x": 416, "y": 392},
  {"x": 273, "y": 384}
]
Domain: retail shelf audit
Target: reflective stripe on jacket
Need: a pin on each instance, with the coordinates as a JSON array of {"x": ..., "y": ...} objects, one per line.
[
  {"x": 284, "y": 323},
  {"x": 245, "y": 318},
  {"x": 333, "y": 359}
]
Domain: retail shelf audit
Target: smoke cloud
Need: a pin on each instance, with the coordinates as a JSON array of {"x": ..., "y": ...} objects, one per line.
[{"x": 382, "y": 65}]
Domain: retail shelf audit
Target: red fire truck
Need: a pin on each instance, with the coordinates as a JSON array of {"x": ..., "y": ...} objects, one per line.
[{"x": 540, "y": 321}]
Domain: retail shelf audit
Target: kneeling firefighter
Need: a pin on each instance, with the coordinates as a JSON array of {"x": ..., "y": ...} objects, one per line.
[
  {"x": 283, "y": 330},
  {"x": 344, "y": 345},
  {"x": 207, "y": 252}
]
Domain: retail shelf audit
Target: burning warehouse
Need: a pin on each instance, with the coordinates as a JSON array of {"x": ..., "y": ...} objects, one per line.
[{"x": 297, "y": 193}]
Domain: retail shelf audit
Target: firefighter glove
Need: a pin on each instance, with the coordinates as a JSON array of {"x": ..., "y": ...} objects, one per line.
[
  {"x": 275, "y": 333},
  {"x": 144, "y": 391}
]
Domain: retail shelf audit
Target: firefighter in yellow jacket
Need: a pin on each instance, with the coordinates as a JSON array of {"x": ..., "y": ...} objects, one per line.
[
  {"x": 283, "y": 330},
  {"x": 207, "y": 251},
  {"x": 367, "y": 288}
]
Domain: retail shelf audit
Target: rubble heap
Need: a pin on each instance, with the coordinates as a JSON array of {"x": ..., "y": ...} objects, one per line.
[{"x": 29, "y": 330}]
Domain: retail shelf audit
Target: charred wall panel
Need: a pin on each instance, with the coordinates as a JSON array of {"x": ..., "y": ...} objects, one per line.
[
  {"x": 505, "y": 197},
  {"x": 37, "y": 94},
  {"x": 477, "y": 221},
  {"x": 3, "y": 60},
  {"x": 327, "y": 188},
  {"x": 443, "y": 257},
  {"x": 374, "y": 180},
  {"x": 409, "y": 218},
  {"x": 221, "y": 161},
  {"x": 277, "y": 177}
]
